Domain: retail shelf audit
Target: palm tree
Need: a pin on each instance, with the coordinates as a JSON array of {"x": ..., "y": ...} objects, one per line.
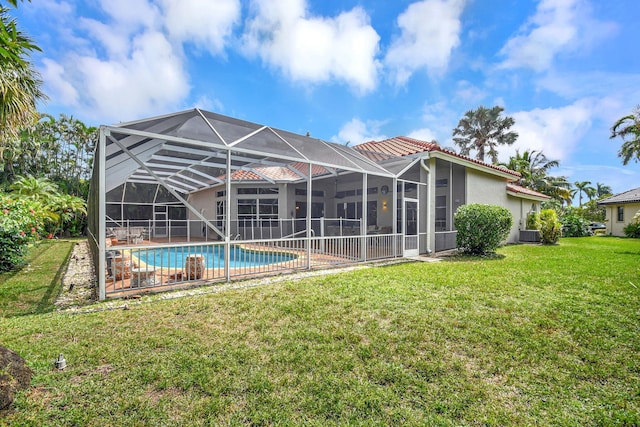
[
  {"x": 603, "y": 190},
  {"x": 40, "y": 189},
  {"x": 534, "y": 170},
  {"x": 583, "y": 187},
  {"x": 69, "y": 212},
  {"x": 628, "y": 127},
  {"x": 482, "y": 130},
  {"x": 533, "y": 167},
  {"x": 19, "y": 81}
]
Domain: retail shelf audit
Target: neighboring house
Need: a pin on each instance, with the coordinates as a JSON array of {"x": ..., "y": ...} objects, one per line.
[
  {"x": 200, "y": 176},
  {"x": 620, "y": 210}
]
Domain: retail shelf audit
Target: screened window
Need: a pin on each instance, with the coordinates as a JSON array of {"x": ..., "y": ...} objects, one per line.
[
  {"x": 620, "y": 213},
  {"x": 253, "y": 190},
  {"x": 350, "y": 210},
  {"x": 258, "y": 212},
  {"x": 220, "y": 214}
]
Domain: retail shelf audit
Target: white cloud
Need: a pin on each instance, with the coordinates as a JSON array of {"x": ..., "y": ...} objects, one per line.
[
  {"x": 557, "y": 26},
  {"x": 468, "y": 93},
  {"x": 131, "y": 14},
  {"x": 620, "y": 91},
  {"x": 208, "y": 24},
  {"x": 424, "y": 134},
  {"x": 62, "y": 90},
  {"x": 149, "y": 81},
  {"x": 430, "y": 30},
  {"x": 554, "y": 131},
  {"x": 356, "y": 131},
  {"x": 313, "y": 49},
  {"x": 130, "y": 63}
]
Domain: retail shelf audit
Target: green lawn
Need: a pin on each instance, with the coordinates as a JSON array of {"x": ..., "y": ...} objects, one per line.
[
  {"x": 537, "y": 336},
  {"x": 34, "y": 288}
]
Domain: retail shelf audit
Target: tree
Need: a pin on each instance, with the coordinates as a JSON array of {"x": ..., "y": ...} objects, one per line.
[
  {"x": 19, "y": 81},
  {"x": 628, "y": 129},
  {"x": 584, "y": 187},
  {"x": 61, "y": 212},
  {"x": 59, "y": 149},
  {"x": 483, "y": 130},
  {"x": 603, "y": 190},
  {"x": 534, "y": 170},
  {"x": 30, "y": 187}
]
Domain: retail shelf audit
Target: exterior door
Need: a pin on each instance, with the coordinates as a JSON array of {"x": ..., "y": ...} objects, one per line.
[
  {"x": 411, "y": 246},
  {"x": 160, "y": 225}
]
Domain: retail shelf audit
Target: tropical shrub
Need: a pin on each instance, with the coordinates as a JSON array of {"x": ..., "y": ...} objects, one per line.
[
  {"x": 20, "y": 225},
  {"x": 533, "y": 219},
  {"x": 550, "y": 227},
  {"x": 574, "y": 225},
  {"x": 481, "y": 228},
  {"x": 633, "y": 228}
]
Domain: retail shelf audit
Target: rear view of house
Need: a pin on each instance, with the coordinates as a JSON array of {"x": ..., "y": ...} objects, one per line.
[{"x": 240, "y": 199}]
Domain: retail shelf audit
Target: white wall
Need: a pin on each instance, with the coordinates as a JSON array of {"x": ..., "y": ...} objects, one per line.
[
  {"x": 615, "y": 227},
  {"x": 491, "y": 190}
]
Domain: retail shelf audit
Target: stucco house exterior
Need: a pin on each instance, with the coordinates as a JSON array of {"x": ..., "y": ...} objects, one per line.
[
  {"x": 198, "y": 182},
  {"x": 620, "y": 210}
]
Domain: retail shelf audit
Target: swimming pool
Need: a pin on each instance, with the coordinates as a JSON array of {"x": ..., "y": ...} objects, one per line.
[{"x": 175, "y": 257}]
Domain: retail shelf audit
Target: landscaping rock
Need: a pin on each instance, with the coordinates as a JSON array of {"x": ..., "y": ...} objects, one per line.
[{"x": 15, "y": 375}]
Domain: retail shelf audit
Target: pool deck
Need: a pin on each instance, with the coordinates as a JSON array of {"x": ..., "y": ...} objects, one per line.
[{"x": 165, "y": 279}]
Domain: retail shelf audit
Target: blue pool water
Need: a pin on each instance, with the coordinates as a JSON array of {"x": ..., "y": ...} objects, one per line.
[{"x": 175, "y": 257}]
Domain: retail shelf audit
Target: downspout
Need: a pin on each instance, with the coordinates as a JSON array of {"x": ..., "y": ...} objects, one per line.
[{"x": 426, "y": 168}]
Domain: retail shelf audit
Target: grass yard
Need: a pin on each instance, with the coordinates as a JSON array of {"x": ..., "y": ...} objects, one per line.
[
  {"x": 537, "y": 336},
  {"x": 33, "y": 289}
]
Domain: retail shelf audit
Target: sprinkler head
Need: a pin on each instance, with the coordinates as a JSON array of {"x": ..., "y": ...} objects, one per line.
[{"x": 60, "y": 362}]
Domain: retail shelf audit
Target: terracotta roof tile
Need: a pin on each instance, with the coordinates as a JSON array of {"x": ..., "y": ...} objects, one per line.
[
  {"x": 405, "y": 146},
  {"x": 523, "y": 190}
]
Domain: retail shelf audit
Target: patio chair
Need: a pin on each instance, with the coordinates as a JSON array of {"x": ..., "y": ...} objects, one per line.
[{"x": 120, "y": 234}]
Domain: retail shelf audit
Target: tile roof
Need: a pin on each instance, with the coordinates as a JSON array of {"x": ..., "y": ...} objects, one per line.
[
  {"x": 276, "y": 173},
  {"x": 405, "y": 146},
  {"x": 514, "y": 188},
  {"x": 631, "y": 196}
]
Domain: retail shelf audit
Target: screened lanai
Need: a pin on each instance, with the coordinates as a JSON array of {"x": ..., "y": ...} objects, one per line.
[{"x": 194, "y": 197}]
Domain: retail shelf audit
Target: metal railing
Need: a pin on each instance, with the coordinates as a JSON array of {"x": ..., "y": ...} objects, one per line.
[
  {"x": 138, "y": 268},
  {"x": 179, "y": 230}
]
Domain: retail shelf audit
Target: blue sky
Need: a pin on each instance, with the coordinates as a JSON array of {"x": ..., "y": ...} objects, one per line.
[{"x": 353, "y": 71}]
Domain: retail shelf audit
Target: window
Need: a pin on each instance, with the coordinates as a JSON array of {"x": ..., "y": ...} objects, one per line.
[
  {"x": 253, "y": 190},
  {"x": 220, "y": 214},
  {"x": 351, "y": 210},
  {"x": 314, "y": 193},
  {"x": 258, "y": 212},
  {"x": 620, "y": 213},
  {"x": 441, "y": 213}
]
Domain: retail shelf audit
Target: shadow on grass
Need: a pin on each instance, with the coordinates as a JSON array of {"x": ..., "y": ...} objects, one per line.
[
  {"x": 627, "y": 253},
  {"x": 470, "y": 258},
  {"x": 46, "y": 302}
]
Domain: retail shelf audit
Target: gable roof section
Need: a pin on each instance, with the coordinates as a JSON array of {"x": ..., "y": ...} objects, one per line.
[
  {"x": 404, "y": 146},
  {"x": 631, "y": 196},
  {"x": 519, "y": 191}
]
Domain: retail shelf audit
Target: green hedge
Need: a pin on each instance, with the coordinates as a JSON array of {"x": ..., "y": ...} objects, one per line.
[
  {"x": 20, "y": 225},
  {"x": 482, "y": 228}
]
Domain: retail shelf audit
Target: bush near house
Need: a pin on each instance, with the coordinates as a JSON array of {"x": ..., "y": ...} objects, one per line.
[
  {"x": 533, "y": 219},
  {"x": 20, "y": 225},
  {"x": 550, "y": 227},
  {"x": 633, "y": 228},
  {"x": 482, "y": 228},
  {"x": 574, "y": 225}
]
